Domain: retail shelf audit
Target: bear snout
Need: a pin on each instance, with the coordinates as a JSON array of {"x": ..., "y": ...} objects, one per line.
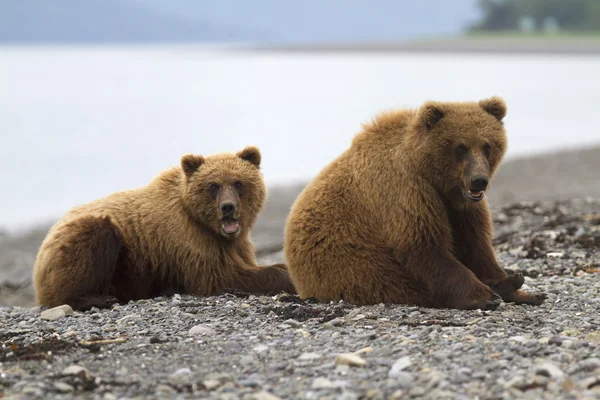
[
  {"x": 479, "y": 183},
  {"x": 228, "y": 208}
]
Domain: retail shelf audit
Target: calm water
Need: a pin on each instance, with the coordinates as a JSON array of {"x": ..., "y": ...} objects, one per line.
[{"x": 77, "y": 124}]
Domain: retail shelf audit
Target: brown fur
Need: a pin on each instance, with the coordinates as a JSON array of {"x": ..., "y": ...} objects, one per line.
[
  {"x": 163, "y": 238},
  {"x": 389, "y": 221}
]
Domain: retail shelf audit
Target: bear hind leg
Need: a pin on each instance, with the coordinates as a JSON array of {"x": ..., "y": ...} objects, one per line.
[{"x": 80, "y": 264}]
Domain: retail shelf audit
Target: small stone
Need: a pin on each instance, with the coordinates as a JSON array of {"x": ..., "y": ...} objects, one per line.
[
  {"x": 33, "y": 391},
  {"x": 55, "y": 313},
  {"x": 399, "y": 365},
  {"x": 211, "y": 384},
  {"x": 336, "y": 322},
  {"x": 518, "y": 339},
  {"x": 441, "y": 355},
  {"x": 63, "y": 387},
  {"x": 350, "y": 359},
  {"x": 322, "y": 383},
  {"x": 76, "y": 370},
  {"x": 397, "y": 395},
  {"x": 165, "y": 390},
  {"x": 293, "y": 323},
  {"x": 591, "y": 382},
  {"x": 260, "y": 348},
  {"x": 416, "y": 391},
  {"x": 201, "y": 330},
  {"x": 593, "y": 337},
  {"x": 555, "y": 254},
  {"x": 309, "y": 356},
  {"x": 549, "y": 370},
  {"x": 110, "y": 396},
  {"x": 262, "y": 395},
  {"x": 181, "y": 372},
  {"x": 402, "y": 378},
  {"x": 588, "y": 365}
]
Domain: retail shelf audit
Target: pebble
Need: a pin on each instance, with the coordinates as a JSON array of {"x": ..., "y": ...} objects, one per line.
[
  {"x": 76, "y": 370},
  {"x": 63, "y": 387},
  {"x": 293, "y": 323},
  {"x": 350, "y": 359},
  {"x": 56, "y": 313},
  {"x": 322, "y": 383},
  {"x": 309, "y": 356},
  {"x": 402, "y": 378},
  {"x": 260, "y": 348},
  {"x": 201, "y": 330},
  {"x": 263, "y": 395},
  {"x": 211, "y": 384},
  {"x": 398, "y": 366},
  {"x": 549, "y": 370}
]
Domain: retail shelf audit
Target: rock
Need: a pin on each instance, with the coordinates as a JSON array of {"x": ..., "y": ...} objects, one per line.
[
  {"x": 211, "y": 384},
  {"x": 587, "y": 365},
  {"x": 402, "y": 378},
  {"x": 76, "y": 370},
  {"x": 350, "y": 359},
  {"x": 309, "y": 356},
  {"x": 549, "y": 370},
  {"x": 63, "y": 387},
  {"x": 201, "y": 330},
  {"x": 593, "y": 337},
  {"x": 263, "y": 395},
  {"x": 33, "y": 391},
  {"x": 399, "y": 365},
  {"x": 260, "y": 348},
  {"x": 293, "y": 323},
  {"x": 397, "y": 395},
  {"x": 165, "y": 390},
  {"x": 55, "y": 313},
  {"x": 322, "y": 383}
]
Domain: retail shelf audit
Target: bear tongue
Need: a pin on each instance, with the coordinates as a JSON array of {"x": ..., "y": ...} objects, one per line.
[{"x": 230, "y": 225}]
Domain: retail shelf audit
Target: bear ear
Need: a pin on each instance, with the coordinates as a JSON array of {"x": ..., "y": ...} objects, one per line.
[
  {"x": 430, "y": 114},
  {"x": 190, "y": 163},
  {"x": 252, "y": 154},
  {"x": 494, "y": 106}
]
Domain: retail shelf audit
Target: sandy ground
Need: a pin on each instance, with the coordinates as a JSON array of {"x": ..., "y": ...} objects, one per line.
[
  {"x": 476, "y": 44},
  {"x": 558, "y": 176}
]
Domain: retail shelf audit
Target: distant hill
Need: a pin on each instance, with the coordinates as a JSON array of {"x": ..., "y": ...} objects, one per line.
[{"x": 258, "y": 21}]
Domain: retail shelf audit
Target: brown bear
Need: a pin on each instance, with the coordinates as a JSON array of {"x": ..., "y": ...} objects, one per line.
[
  {"x": 185, "y": 232},
  {"x": 401, "y": 216}
]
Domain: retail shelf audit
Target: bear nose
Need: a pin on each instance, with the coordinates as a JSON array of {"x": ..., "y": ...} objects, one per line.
[
  {"x": 227, "y": 208},
  {"x": 479, "y": 183}
]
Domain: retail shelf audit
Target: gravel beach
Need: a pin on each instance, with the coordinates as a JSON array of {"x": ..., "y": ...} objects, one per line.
[{"x": 261, "y": 347}]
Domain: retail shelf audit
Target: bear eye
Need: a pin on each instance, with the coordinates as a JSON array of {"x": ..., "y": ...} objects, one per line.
[
  {"x": 461, "y": 150},
  {"x": 214, "y": 189},
  {"x": 237, "y": 185},
  {"x": 487, "y": 149}
]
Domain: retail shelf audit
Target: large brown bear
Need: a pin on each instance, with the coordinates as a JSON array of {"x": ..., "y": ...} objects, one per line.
[
  {"x": 400, "y": 217},
  {"x": 185, "y": 232}
]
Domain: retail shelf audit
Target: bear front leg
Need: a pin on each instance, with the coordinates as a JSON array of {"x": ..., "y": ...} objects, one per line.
[
  {"x": 272, "y": 279},
  {"x": 450, "y": 284},
  {"x": 472, "y": 231}
]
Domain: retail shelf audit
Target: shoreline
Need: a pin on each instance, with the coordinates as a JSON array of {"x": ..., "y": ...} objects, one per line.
[{"x": 583, "y": 46}]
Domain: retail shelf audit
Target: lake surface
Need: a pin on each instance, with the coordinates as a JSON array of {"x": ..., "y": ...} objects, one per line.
[{"x": 79, "y": 123}]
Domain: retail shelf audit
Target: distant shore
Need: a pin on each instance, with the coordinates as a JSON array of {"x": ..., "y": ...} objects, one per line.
[{"x": 509, "y": 44}]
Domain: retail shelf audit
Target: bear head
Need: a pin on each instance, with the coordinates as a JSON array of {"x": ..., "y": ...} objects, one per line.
[
  {"x": 460, "y": 145},
  {"x": 224, "y": 192}
]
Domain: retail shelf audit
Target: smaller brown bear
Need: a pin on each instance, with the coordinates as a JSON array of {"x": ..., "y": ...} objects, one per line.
[
  {"x": 400, "y": 217},
  {"x": 185, "y": 232}
]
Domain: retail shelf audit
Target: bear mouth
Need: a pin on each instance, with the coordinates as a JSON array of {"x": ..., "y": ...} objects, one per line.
[
  {"x": 230, "y": 226},
  {"x": 474, "y": 195}
]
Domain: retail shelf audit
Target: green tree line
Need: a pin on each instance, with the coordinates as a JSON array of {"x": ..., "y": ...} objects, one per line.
[{"x": 534, "y": 15}]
